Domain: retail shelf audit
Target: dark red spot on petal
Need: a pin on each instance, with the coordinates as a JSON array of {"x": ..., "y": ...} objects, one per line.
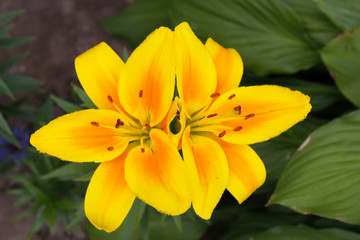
[
  {"x": 110, "y": 148},
  {"x": 96, "y": 124},
  {"x": 238, "y": 128},
  {"x": 231, "y": 96},
  {"x": 142, "y": 150},
  {"x": 110, "y": 99},
  {"x": 140, "y": 93},
  {"x": 147, "y": 125},
  {"x": 222, "y": 134},
  {"x": 215, "y": 95},
  {"x": 249, "y": 116},
  {"x": 212, "y": 115}
]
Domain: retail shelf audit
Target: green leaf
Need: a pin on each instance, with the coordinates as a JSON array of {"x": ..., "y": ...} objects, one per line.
[
  {"x": 269, "y": 35},
  {"x": 6, "y": 43},
  {"x": 341, "y": 57},
  {"x": 5, "y": 30},
  {"x": 277, "y": 152},
  {"x": 6, "y": 132},
  {"x": 5, "y": 17},
  {"x": 303, "y": 232},
  {"x": 323, "y": 177},
  {"x": 138, "y": 20},
  {"x": 315, "y": 22},
  {"x": 33, "y": 190},
  {"x": 83, "y": 96},
  {"x": 44, "y": 113},
  {"x": 68, "y": 107},
  {"x": 5, "y": 89},
  {"x": 343, "y": 13},
  {"x": 21, "y": 84},
  {"x": 6, "y": 65},
  {"x": 70, "y": 171}
]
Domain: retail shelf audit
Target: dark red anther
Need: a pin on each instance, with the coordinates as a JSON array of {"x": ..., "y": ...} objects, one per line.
[
  {"x": 231, "y": 96},
  {"x": 238, "y": 128},
  {"x": 249, "y": 116},
  {"x": 212, "y": 115},
  {"x": 238, "y": 109},
  {"x": 110, "y": 99},
  {"x": 177, "y": 112},
  {"x": 140, "y": 93},
  {"x": 215, "y": 95},
  {"x": 119, "y": 123},
  {"x": 142, "y": 150},
  {"x": 147, "y": 125},
  {"x": 96, "y": 124},
  {"x": 222, "y": 134},
  {"x": 110, "y": 148}
]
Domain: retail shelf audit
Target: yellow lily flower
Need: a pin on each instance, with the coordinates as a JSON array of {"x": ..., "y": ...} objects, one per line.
[
  {"x": 219, "y": 120},
  {"x": 137, "y": 158}
]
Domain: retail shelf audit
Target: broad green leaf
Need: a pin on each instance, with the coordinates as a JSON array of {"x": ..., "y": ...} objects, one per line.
[
  {"x": 276, "y": 152},
  {"x": 5, "y": 17},
  {"x": 44, "y": 113},
  {"x": 268, "y": 35},
  {"x": 320, "y": 28},
  {"x": 323, "y": 176},
  {"x": 70, "y": 171},
  {"x": 7, "y": 64},
  {"x": 138, "y": 20},
  {"x": 342, "y": 58},
  {"x": 5, "y": 89},
  {"x": 343, "y": 13},
  {"x": 67, "y": 106},
  {"x": 6, "y": 132},
  {"x": 302, "y": 232},
  {"x": 6, "y": 43}
]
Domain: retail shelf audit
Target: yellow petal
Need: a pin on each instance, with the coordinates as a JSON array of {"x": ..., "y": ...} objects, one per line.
[
  {"x": 156, "y": 175},
  {"x": 147, "y": 82},
  {"x": 208, "y": 170},
  {"x": 73, "y": 137},
  {"x": 229, "y": 66},
  {"x": 108, "y": 198},
  {"x": 266, "y": 111},
  {"x": 195, "y": 71},
  {"x": 246, "y": 170},
  {"x": 98, "y": 70}
]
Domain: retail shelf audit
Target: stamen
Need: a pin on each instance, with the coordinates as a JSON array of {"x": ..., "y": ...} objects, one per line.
[
  {"x": 140, "y": 93},
  {"x": 177, "y": 112},
  {"x": 96, "y": 124},
  {"x": 110, "y": 99},
  {"x": 231, "y": 96},
  {"x": 238, "y": 128},
  {"x": 238, "y": 109},
  {"x": 215, "y": 95},
  {"x": 110, "y": 148},
  {"x": 222, "y": 134},
  {"x": 212, "y": 115},
  {"x": 178, "y": 117},
  {"x": 147, "y": 125},
  {"x": 119, "y": 123},
  {"x": 249, "y": 116},
  {"x": 142, "y": 150}
]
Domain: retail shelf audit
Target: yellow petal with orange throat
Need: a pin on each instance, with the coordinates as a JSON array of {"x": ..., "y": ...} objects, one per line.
[
  {"x": 195, "y": 70},
  {"x": 147, "y": 82},
  {"x": 229, "y": 66},
  {"x": 83, "y": 136},
  {"x": 208, "y": 171},
  {"x": 108, "y": 198},
  {"x": 246, "y": 170},
  {"x": 98, "y": 70},
  {"x": 156, "y": 174},
  {"x": 258, "y": 113}
]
